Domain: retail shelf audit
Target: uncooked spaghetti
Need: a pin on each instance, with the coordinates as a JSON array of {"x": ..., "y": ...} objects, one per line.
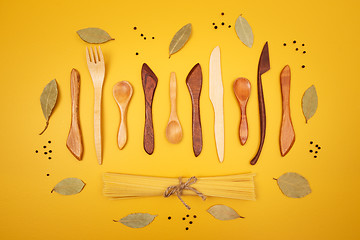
[{"x": 120, "y": 186}]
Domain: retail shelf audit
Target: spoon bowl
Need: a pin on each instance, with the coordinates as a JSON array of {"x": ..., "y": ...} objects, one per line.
[
  {"x": 242, "y": 89},
  {"x": 174, "y": 132},
  {"x": 122, "y": 92}
]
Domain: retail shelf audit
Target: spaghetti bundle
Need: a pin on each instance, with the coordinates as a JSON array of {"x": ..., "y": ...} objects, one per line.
[{"x": 120, "y": 186}]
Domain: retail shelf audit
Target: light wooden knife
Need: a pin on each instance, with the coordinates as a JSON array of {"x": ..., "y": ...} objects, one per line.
[{"x": 216, "y": 93}]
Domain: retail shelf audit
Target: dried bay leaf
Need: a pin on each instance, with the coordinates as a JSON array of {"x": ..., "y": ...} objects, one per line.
[
  {"x": 94, "y": 35},
  {"x": 48, "y": 100},
  {"x": 244, "y": 31},
  {"x": 309, "y": 102},
  {"x": 69, "y": 186},
  {"x": 223, "y": 212},
  {"x": 179, "y": 39},
  {"x": 293, "y": 185},
  {"x": 137, "y": 220}
]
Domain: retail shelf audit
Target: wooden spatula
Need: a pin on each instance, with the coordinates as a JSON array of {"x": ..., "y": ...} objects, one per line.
[
  {"x": 194, "y": 84},
  {"x": 74, "y": 140},
  {"x": 287, "y": 134},
  {"x": 149, "y": 82}
]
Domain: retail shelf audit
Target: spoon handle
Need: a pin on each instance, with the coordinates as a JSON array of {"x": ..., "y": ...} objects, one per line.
[
  {"x": 287, "y": 134},
  {"x": 173, "y": 114},
  {"x": 74, "y": 140},
  {"x": 122, "y": 135},
  {"x": 243, "y": 128}
]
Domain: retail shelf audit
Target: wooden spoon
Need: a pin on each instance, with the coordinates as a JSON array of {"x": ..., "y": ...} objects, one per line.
[
  {"x": 122, "y": 92},
  {"x": 74, "y": 140},
  {"x": 194, "y": 84},
  {"x": 149, "y": 82},
  {"x": 173, "y": 129},
  {"x": 287, "y": 134},
  {"x": 242, "y": 89}
]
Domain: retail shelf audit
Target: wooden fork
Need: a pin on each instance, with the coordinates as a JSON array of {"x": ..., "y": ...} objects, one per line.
[{"x": 96, "y": 65}]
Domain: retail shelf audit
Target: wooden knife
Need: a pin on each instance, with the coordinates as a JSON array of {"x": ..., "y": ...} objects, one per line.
[
  {"x": 287, "y": 133},
  {"x": 216, "y": 93},
  {"x": 149, "y": 82},
  {"x": 194, "y": 84},
  {"x": 74, "y": 140},
  {"x": 263, "y": 67}
]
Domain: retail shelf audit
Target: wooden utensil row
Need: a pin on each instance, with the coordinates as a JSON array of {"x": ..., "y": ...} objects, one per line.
[{"x": 122, "y": 92}]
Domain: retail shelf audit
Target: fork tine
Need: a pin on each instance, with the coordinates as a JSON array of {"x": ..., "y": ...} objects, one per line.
[
  {"x": 92, "y": 55},
  {"x": 88, "y": 59},
  {"x": 96, "y": 55},
  {"x": 101, "y": 59}
]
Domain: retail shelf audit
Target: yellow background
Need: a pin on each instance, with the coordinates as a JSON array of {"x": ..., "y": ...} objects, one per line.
[{"x": 39, "y": 43}]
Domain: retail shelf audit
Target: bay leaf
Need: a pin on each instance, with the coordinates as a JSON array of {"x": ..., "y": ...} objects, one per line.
[
  {"x": 69, "y": 186},
  {"x": 137, "y": 220},
  {"x": 48, "y": 100},
  {"x": 94, "y": 35},
  {"x": 223, "y": 212},
  {"x": 309, "y": 102},
  {"x": 293, "y": 185},
  {"x": 244, "y": 31},
  {"x": 179, "y": 39}
]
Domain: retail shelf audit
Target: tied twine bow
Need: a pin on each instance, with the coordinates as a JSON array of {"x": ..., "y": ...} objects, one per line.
[{"x": 178, "y": 189}]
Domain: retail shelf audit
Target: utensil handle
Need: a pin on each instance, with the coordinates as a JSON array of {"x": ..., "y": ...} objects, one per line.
[
  {"x": 196, "y": 128},
  {"x": 262, "y": 114},
  {"x": 173, "y": 96},
  {"x": 243, "y": 128},
  {"x": 148, "y": 129},
  {"x": 97, "y": 123},
  {"x": 219, "y": 128},
  {"x": 74, "y": 140},
  {"x": 122, "y": 135}
]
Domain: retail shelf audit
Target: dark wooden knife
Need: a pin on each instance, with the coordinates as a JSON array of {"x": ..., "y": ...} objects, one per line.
[
  {"x": 74, "y": 140},
  {"x": 194, "y": 84},
  {"x": 149, "y": 82},
  {"x": 263, "y": 67}
]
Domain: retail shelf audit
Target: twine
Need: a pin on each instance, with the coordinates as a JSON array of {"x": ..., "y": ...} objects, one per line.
[{"x": 178, "y": 189}]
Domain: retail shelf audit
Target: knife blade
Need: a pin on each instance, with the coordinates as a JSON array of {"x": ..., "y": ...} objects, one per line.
[
  {"x": 263, "y": 67},
  {"x": 216, "y": 93}
]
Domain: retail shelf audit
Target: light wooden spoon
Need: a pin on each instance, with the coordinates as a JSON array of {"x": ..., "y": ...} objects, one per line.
[
  {"x": 242, "y": 89},
  {"x": 122, "y": 92},
  {"x": 173, "y": 129}
]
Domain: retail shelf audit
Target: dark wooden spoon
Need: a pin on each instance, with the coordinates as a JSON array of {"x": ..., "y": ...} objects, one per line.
[
  {"x": 149, "y": 82},
  {"x": 194, "y": 84}
]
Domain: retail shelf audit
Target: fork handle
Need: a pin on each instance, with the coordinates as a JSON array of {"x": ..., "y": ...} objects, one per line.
[{"x": 97, "y": 123}]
